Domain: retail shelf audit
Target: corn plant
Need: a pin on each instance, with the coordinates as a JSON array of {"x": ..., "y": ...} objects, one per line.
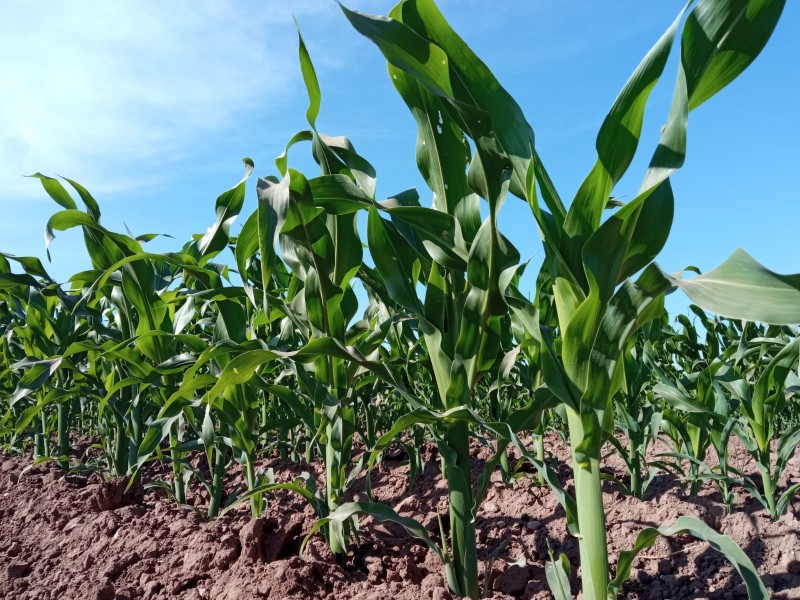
[
  {"x": 636, "y": 412},
  {"x": 178, "y": 355},
  {"x": 325, "y": 354},
  {"x": 140, "y": 358},
  {"x": 30, "y": 326},
  {"x": 591, "y": 259},
  {"x": 50, "y": 322},
  {"x": 711, "y": 398},
  {"x": 324, "y": 252},
  {"x": 762, "y": 396},
  {"x": 465, "y": 266},
  {"x": 698, "y": 414},
  {"x": 699, "y": 417}
]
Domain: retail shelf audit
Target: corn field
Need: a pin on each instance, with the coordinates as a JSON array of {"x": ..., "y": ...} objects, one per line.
[{"x": 338, "y": 324}]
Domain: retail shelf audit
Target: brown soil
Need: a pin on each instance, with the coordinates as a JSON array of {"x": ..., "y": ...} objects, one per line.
[{"x": 80, "y": 537}]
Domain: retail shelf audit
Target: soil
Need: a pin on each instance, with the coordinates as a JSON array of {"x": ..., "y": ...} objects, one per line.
[{"x": 78, "y": 536}]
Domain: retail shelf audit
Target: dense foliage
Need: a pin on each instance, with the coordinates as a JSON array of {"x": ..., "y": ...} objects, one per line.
[{"x": 299, "y": 337}]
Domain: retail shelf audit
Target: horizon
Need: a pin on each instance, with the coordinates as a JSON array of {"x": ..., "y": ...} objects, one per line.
[{"x": 155, "y": 123}]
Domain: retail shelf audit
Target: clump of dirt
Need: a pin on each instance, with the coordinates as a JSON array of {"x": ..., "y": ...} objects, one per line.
[{"x": 84, "y": 538}]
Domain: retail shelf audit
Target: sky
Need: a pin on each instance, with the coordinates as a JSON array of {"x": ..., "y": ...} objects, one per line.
[{"x": 151, "y": 106}]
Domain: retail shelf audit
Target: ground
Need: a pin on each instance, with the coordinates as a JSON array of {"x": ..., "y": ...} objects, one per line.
[{"x": 85, "y": 538}]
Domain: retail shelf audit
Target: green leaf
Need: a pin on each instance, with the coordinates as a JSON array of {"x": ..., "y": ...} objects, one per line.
[
  {"x": 228, "y": 206},
  {"x": 616, "y": 145},
  {"x": 32, "y": 265},
  {"x": 557, "y": 574},
  {"x": 121, "y": 245},
  {"x": 720, "y": 40},
  {"x": 475, "y": 86},
  {"x": 394, "y": 260},
  {"x": 310, "y": 79},
  {"x": 92, "y": 207},
  {"x": 721, "y": 543},
  {"x": 38, "y": 374},
  {"x": 379, "y": 512},
  {"x": 56, "y": 191},
  {"x": 407, "y": 50},
  {"x": 742, "y": 288},
  {"x": 338, "y": 195},
  {"x": 273, "y": 206},
  {"x": 624, "y": 240},
  {"x": 15, "y": 280},
  {"x": 439, "y": 232},
  {"x": 443, "y": 153}
]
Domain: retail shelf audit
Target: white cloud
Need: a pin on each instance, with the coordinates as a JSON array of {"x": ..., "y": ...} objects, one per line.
[
  {"x": 106, "y": 91},
  {"x": 118, "y": 94}
]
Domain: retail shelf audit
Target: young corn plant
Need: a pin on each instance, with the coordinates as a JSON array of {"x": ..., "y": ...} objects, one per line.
[
  {"x": 50, "y": 323},
  {"x": 139, "y": 359},
  {"x": 699, "y": 416},
  {"x": 228, "y": 418},
  {"x": 38, "y": 330},
  {"x": 465, "y": 266},
  {"x": 637, "y": 414},
  {"x": 710, "y": 399},
  {"x": 322, "y": 247},
  {"x": 327, "y": 356},
  {"x": 762, "y": 397},
  {"x": 591, "y": 259}
]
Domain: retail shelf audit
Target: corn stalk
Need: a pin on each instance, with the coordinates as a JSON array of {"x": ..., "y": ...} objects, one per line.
[{"x": 591, "y": 259}]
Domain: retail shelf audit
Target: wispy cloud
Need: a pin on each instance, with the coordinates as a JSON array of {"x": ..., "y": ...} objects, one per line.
[
  {"x": 110, "y": 92},
  {"x": 119, "y": 94}
]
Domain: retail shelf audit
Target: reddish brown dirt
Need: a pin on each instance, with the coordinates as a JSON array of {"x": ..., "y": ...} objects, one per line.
[{"x": 79, "y": 537}]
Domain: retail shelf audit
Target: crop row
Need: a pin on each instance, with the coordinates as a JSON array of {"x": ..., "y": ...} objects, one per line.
[{"x": 337, "y": 316}]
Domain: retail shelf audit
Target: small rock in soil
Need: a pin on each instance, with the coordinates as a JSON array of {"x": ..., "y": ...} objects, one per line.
[
  {"x": 104, "y": 591},
  {"x": 184, "y": 583},
  {"x": 152, "y": 588},
  {"x": 374, "y": 568},
  {"x": 15, "y": 570},
  {"x": 119, "y": 564},
  {"x": 513, "y": 580},
  {"x": 261, "y": 539},
  {"x": 407, "y": 505},
  {"x": 229, "y": 551},
  {"x": 409, "y": 571},
  {"x": 110, "y": 495},
  {"x": 665, "y": 567}
]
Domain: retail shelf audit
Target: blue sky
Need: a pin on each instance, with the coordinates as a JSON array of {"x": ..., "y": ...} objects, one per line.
[{"x": 152, "y": 105}]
